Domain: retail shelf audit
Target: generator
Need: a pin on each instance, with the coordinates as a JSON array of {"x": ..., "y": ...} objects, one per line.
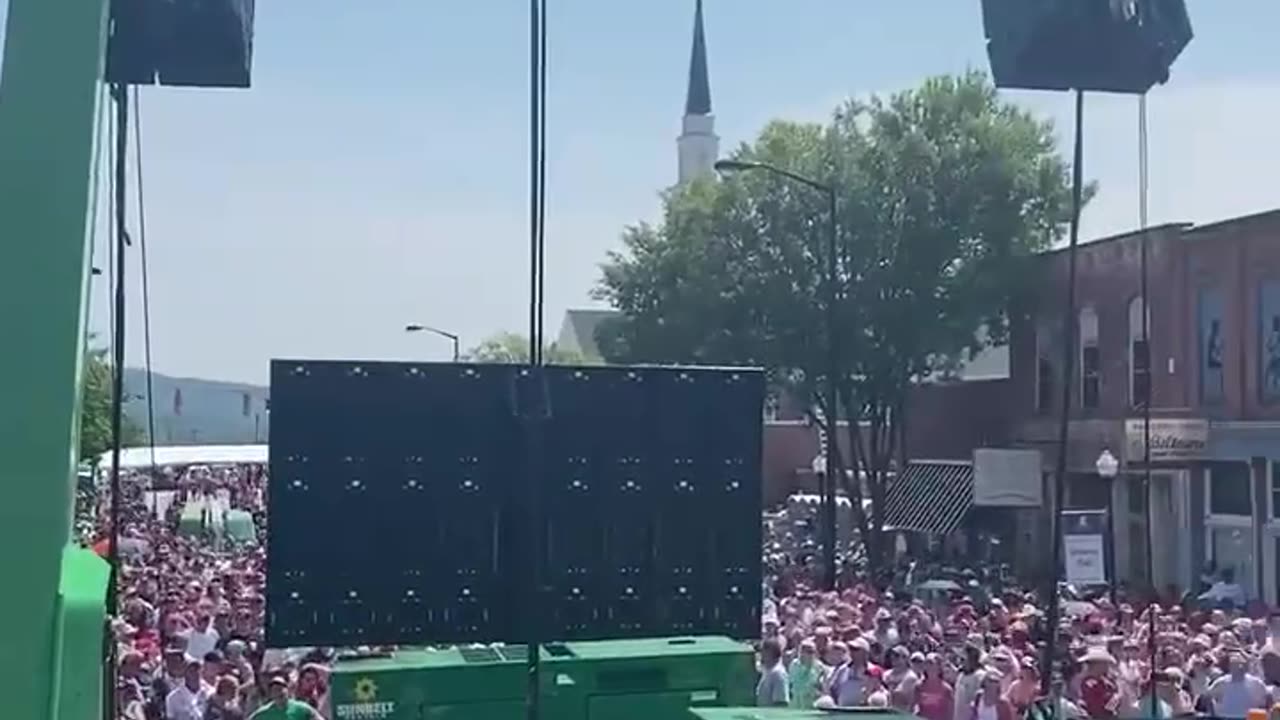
[{"x": 645, "y": 679}]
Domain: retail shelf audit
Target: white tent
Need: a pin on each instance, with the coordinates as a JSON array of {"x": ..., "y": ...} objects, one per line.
[{"x": 140, "y": 457}]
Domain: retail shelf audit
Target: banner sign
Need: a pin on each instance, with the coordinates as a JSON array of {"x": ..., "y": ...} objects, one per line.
[{"x": 1084, "y": 535}]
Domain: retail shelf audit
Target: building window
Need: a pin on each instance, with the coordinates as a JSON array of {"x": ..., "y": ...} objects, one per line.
[
  {"x": 1230, "y": 489},
  {"x": 1090, "y": 360},
  {"x": 1269, "y": 341},
  {"x": 1139, "y": 355},
  {"x": 1045, "y": 366},
  {"x": 1211, "y": 342},
  {"x": 1275, "y": 492},
  {"x": 1137, "y": 495}
]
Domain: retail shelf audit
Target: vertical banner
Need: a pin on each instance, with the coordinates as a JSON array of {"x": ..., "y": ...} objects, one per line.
[
  {"x": 1211, "y": 343},
  {"x": 1269, "y": 340},
  {"x": 1084, "y": 556},
  {"x": 247, "y": 404}
]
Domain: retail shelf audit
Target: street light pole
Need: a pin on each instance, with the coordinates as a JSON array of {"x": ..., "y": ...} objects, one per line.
[
  {"x": 1108, "y": 467},
  {"x": 831, "y": 389},
  {"x": 451, "y": 337}
]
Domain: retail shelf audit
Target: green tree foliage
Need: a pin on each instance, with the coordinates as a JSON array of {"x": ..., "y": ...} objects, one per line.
[
  {"x": 944, "y": 192},
  {"x": 95, "y": 410},
  {"x": 514, "y": 349}
]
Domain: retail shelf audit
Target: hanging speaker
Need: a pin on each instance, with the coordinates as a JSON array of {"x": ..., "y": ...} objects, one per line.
[
  {"x": 181, "y": 43},
  {"x": 1120, "y": 46}
]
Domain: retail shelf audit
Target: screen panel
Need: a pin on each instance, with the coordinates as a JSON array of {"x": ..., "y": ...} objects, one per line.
[{"x": 398, "y": 503}]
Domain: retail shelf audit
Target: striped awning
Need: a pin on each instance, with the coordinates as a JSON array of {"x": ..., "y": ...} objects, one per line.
[{"x": 930, "y": 497}]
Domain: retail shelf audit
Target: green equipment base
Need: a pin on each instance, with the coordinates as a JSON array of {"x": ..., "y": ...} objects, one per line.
[{"x": 658, "y": 679}]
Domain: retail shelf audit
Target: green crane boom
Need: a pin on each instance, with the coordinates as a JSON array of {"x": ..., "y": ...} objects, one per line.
[{"x": 53, "y": 619}]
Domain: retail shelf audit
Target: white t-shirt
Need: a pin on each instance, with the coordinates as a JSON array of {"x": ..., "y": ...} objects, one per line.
[
  {"x": 183, "y": 704},
  {"x": 201, "y": 642},
  {"x": 967, "y": 687},
  {"x": 1235, "y": 698}
]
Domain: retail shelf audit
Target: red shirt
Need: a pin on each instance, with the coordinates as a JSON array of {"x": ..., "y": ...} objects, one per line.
[{"x": 1097, "y": 695}]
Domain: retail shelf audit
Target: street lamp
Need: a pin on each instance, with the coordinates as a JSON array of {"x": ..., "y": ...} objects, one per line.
[
  {"x": 831, "y": 463},
  {"x": 436, "y": 331},
  {"x": 1108, "y": 467}
]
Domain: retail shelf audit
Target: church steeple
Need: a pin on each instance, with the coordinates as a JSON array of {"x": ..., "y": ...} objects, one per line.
[
  {"x": 698, "y": 145},
  {"x": 698, "y": 101}
]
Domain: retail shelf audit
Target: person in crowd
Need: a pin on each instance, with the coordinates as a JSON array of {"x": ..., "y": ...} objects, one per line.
[
  {"x": 900, "y": 680},
  {"x": 1025, "y": 689},
  {"x": 224, "y": 704},
  {"x": 990, "y": 703},
  {"x": 806, "y": 676},
  {"x": 1236, "y": 693},
  {"x": 968, "y": 681},
  {"x": 934, "y": 698},
  {"x": 282, "y": 707},
  {"x": 850, "y": 681},
  {"x": 188, "y": 700},
  {"x": 773, "y": 689}
]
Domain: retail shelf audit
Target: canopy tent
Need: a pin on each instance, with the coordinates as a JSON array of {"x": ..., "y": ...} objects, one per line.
[
  {"x": 239, "y": 525},
  {"x": 191, "y": 522},
  {"x": 140, "y": 457}
]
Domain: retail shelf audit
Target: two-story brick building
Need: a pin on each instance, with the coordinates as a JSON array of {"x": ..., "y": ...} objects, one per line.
[{"x": 1214, "y": 387}]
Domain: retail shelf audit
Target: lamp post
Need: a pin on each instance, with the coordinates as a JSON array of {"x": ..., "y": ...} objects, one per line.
[
  {"x": 1108, "y": 467},
  {"x": 436, "y": 331},
  {"x": 831, "y": 464}
]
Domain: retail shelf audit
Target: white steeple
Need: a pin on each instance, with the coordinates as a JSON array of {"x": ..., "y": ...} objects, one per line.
[{"x": 698, "y": 145}]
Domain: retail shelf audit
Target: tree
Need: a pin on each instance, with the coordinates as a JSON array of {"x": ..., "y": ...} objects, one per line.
[
  {"x": 514, "y": 349},
  {"x": 944, "y": 194},
  {"x": 95, "y": 409}
]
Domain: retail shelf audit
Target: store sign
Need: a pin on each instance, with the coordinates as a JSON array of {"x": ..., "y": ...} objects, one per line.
[
  {"x": 1171, "y": 440},
  {"x": 1084, "y": 547},
  {"x": 366, "y": 705}
]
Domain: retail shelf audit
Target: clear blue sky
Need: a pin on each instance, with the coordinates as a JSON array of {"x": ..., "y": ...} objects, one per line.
[{"x": 376, "y": 172}]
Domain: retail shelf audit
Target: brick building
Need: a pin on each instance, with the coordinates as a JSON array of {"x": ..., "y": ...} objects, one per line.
[{"x": 1214, "y": 384}]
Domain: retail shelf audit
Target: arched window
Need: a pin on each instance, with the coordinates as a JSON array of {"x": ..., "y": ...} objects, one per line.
[
  {"x": 1090, "y": 360},
  {"x": 1046, "y": 363},
  {"x": 1139, "y": 356}
]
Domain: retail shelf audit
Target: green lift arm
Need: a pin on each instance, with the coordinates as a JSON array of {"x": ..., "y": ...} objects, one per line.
[{"x": 53, "y": 619}]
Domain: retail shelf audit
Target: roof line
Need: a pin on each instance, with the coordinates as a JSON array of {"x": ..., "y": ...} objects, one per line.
[{"x": 1216, "y": 224}]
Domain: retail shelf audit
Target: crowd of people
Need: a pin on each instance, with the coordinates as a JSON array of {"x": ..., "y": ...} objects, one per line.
[
  {"x": 945, "y": 647},
  {"x": 188, "y": 635},
  {"x": 962, "y": 647}
]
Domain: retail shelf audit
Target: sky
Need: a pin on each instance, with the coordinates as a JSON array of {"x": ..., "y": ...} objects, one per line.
[{"x": 376, "y": 173}]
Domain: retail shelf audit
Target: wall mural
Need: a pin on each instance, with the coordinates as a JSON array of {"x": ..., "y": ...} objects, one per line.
[
  {"x": 1212, "y": 329},
  {"x": 1269, "y": 340}
]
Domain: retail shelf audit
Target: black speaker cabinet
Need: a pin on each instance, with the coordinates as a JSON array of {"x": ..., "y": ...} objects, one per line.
[
  {"x": 181, "y": 43},
  {"x": 398, "y": 496},
  {"x": 1122, "y": 46}
]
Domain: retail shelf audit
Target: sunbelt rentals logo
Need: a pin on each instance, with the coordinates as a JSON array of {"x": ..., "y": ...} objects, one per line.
[{"x": 366, "y": 705}]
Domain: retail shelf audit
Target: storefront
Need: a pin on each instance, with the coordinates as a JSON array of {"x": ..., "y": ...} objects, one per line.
[
  {"x": 1178, "y": 446},
  {"x": 1239, "y": 492}
]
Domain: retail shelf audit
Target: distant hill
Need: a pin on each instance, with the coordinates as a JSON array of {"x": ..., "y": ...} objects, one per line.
[{"x": 190, "y": 411}]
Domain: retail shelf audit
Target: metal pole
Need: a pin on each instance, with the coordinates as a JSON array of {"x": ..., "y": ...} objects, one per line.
[
  {"x": 1068, "y": 371},
  {"x": 833, "y": 414},
  {"x": 532, "y": 422},
  {"x": 1111, "y": 537},
  {"x": 1149, "y": 395}
]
